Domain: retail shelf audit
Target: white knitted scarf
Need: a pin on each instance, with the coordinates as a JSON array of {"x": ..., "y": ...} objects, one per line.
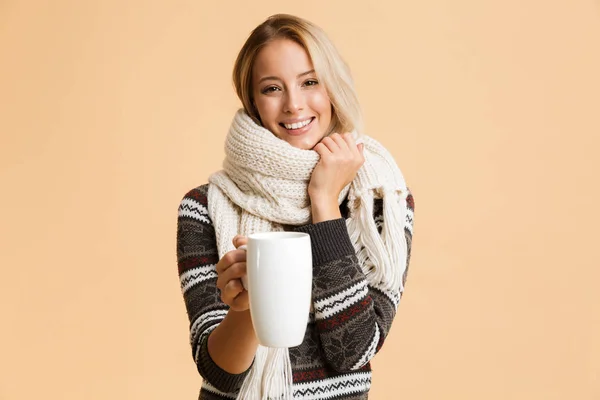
[{"x": 263, "y": 185}]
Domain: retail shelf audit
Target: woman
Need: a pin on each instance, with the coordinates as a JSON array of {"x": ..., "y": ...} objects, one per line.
[{"x": 293, "y": 163}]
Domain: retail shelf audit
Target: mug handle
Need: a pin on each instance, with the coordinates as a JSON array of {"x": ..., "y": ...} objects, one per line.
[{"x": 244, "y": 278}]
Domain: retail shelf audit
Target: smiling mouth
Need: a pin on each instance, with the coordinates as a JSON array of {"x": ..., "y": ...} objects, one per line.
[{"x": 297, "y": 125}]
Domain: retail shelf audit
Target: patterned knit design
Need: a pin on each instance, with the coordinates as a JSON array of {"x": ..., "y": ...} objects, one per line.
[{"x": 348, "y": 327}]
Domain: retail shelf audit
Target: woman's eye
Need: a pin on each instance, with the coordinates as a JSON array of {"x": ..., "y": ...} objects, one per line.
[
  {"x": 311, "y": 82},
  {"x": 270, "y": 89}
]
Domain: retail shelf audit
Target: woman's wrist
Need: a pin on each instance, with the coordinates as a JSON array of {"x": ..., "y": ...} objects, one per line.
[{"x": 324, "y": 209}]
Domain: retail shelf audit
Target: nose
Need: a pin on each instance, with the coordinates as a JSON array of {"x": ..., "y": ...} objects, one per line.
[{"x": 294, "y": 101}]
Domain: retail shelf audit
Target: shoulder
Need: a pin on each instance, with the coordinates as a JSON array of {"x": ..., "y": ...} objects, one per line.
[
  {"x": 194, "y": 205},
  {"x": 198, "y": 194}
]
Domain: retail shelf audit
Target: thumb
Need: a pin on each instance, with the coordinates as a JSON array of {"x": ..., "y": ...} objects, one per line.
[{"x": 240, "y": 240}]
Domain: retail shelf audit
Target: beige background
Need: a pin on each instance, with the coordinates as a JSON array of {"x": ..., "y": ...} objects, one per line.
[{"x": 110, "y": 111}]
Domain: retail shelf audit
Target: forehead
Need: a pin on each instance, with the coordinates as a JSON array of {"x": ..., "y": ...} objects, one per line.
[{"x": 281, "y": 58}]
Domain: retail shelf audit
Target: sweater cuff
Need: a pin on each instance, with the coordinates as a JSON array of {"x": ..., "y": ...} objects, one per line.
[
  {"x": 329, "y": 240},
  {"x": 215, "y": 375}
]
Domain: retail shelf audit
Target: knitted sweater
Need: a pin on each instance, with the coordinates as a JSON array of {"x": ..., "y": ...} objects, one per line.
[{"x": 349, "y": 324}]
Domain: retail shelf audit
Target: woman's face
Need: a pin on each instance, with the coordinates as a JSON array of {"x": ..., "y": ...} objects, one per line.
[{"x": 290, "y": 100}]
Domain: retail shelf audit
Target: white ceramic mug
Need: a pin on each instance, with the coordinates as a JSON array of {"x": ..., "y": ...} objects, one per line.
[{"x": 279, "y": 284}]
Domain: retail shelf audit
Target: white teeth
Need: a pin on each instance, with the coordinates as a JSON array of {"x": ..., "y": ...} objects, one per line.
[{"x": 297, "y": 124}]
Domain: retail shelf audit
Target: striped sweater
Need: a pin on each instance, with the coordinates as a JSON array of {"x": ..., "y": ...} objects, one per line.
[{"x": 347, "y": 328}]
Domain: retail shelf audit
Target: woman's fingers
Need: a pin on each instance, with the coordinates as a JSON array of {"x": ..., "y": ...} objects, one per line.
[
  {"x": 239, "y": 240},
  {"x": 229, "y": 259},
  {"x": 230, "y": 269},
  {"x": 232, "y": 289},
  {"x": 341, "y": 145},
  {"x": 240, "y": 302},
  {"x": 235, "y": 271},
  {"x": 321, "y": 149},
  {"x": 354, "y": 145},
  {"x": 331, "y": 143},
  {"x": 361, "y": 148},
  {"x": 344, "y": 142}
]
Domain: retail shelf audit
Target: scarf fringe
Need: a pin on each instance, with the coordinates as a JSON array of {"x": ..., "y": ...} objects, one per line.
[
  {"x": 249, "y": 389},
  {"x": 273, "y": 369},
  {"x": 394, "y": 217},
  {"x": 381, "y": 256}
]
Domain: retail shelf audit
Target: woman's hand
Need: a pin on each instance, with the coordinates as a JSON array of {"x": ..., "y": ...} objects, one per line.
[
  {"x": 232, "y": 344},
  {"x": 341, "y": 158},
  {"x": 230, "y": 269}
]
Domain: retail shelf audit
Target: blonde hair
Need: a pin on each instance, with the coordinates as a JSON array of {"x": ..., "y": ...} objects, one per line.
[{"x": 330, "y": 68}]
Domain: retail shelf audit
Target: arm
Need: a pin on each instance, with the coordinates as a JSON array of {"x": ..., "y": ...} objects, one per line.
[
  {"x": 220, "y": 338},
  {"x": 353, "y": 318},
  {"x": 232, "y": 345}
]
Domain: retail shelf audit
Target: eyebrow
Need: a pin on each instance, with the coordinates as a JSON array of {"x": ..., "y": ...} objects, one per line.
[{"x": 266, "y": 78}]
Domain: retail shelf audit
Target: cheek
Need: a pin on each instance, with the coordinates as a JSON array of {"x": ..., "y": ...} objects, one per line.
[
  {"x": 321, "y": 104},
  {"x": 267, "y": 109}
]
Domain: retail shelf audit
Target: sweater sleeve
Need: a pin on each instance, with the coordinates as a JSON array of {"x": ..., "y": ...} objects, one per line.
[
  {"x": 352, "y": 317},
  {"x": 197, "y": 257}
]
